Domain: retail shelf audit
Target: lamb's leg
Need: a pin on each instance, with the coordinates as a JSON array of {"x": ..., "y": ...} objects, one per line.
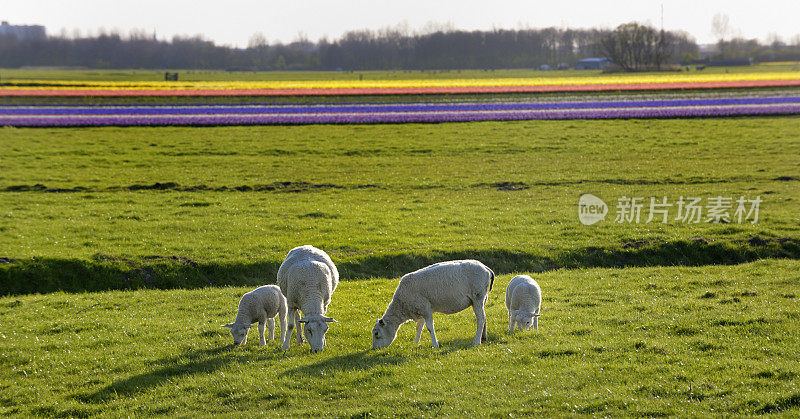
[
  {"x": 420, "y": 324},
  {"x": 288, "y": 337},
  {"x": 261, "y": 341},
  {"x": 510, "y": 322},
  {"x": 536, "y": 323},
  {"x": 429, "y": 325},
  {"x": 282, "y": 319},
  {"x": 480, "y": 318},
  {"x": 299, "y": 327},
  {"x": 271, "y": 324}
]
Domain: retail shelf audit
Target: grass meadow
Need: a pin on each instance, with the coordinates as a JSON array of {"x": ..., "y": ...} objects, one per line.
[
  {"x": 61, "y": 74},
  {"x": 123, "y": 251}
]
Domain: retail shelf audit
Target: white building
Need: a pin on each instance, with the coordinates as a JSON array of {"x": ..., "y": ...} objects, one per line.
[{"x": 23, "y": 32}]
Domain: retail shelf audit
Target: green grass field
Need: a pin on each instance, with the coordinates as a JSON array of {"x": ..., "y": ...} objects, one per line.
[
  {"x": 661, "y": 341},
  {"x": 156, "y": 232},
  {"x": 14, "y": 74}
]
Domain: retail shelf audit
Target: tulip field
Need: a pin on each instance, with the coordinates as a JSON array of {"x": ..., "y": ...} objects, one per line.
[
  {"x": 40, "y": 116},
  {"x": 708, "y": 101},
  {"x": 135, "y": 213}
]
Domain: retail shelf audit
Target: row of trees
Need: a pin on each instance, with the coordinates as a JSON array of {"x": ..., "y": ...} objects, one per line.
[
  {"x": 357, "y": 50},
  {"x": 632, "y": 47}
]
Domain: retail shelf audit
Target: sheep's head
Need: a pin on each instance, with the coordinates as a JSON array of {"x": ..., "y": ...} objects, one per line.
[
  {"x": 316, "y": 325},
  {"x": 239, "y": 332},
  {"x": 524, "y": 319},
  {"x": 382, "y": 334}
]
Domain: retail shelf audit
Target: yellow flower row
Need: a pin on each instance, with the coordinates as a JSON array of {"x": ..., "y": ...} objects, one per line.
[{"x": 443, "y": 83}]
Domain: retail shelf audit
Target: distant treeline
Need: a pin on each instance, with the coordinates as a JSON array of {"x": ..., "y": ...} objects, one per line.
[
  {"x": 358, "y": 50},
  {"x": 739, "y": 48}
]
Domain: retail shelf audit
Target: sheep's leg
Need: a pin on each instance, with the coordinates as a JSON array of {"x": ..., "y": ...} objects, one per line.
[
  {"x": 485, "y": 335},
  {"x": 429, "y": 325},
  {"x": 288, "y": 336},
  {"x": 299, "y": 327},
  {"x": 480, "y": 318},
  {"x": 261, "y": 341},
  {"x": 282, "y": 319},
  {"x": 420, "y": 324},
  {"x": 536, "y": 323},
  {"x": 271, "y": 325},
  {"x": 510, "y": 322}
]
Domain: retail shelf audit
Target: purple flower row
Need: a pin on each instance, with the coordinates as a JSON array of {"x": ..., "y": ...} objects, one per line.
[
  {"x": 372, "y": 108},
  {"x": 403, "y": 117}
]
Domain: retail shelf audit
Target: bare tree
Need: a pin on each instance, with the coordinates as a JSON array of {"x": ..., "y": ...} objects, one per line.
[
  {"x": 257, "y": 40},
  {"x": 636, "y": 47},
  {"x": 721, "y": 26}
]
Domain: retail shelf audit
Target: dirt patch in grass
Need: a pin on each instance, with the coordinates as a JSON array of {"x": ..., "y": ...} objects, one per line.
[
  {"x": 283, "y": 186},
  {"x": 763, "y": 241}
]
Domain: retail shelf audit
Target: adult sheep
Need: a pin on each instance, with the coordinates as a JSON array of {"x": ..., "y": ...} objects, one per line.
[
  {"x": 445, "y": 287},
  {"x": 524, "y": 303},
  {"x": 259, "y": 305},
  {"x": 308, "y": 278}
]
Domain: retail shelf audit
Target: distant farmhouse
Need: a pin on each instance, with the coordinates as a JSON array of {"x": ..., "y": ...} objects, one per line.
[
  {"x": 591, "y": 64},
  {"x": 23, "y": 32}
]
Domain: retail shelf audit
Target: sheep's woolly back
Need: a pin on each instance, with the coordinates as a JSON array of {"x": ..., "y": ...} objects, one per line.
[
  {"x": 446, "y": 287},
  {"x": 260, "y": 304},
  {"x": 523, "y": 293},
  {"x": 308, "y": 278}
]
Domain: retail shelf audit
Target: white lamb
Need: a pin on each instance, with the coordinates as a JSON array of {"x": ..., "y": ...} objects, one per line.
[
  {"x": 446, "y": 287},
  {"x": 259, "y": 305},
  {"x": 524, "y": 303},
  {"x": 308, "y": 278}
]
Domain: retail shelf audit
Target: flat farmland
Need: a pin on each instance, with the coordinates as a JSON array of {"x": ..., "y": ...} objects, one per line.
[
  {"x": 124, "y": 249},
  {"x": 640, "y": 318}
]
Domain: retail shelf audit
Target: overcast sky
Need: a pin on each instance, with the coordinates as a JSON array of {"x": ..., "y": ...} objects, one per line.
[{"x": 233, "y": 22}]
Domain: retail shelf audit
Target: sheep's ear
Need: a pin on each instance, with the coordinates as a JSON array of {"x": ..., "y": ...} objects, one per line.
[
  {"x": 330, "y": 320},
  {"x": 229, "y": 325},
  {"x": 381, "y": 322},
  {"x": 303, "y": 320}
]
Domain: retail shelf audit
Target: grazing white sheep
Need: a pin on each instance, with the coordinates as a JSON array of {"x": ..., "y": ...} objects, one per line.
[
  {"x": 259, "y": 305},
  {"x": 446, "y": 287},
  {"x": 308, "y": 278},
  {"x": 524, "y": 303}
]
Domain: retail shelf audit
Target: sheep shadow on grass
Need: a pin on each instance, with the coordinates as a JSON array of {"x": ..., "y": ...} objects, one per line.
[
  {"x": 203, "y": 361},
  {"x": 359, "y": 361},
  {"x": 370, "y": 358}
]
